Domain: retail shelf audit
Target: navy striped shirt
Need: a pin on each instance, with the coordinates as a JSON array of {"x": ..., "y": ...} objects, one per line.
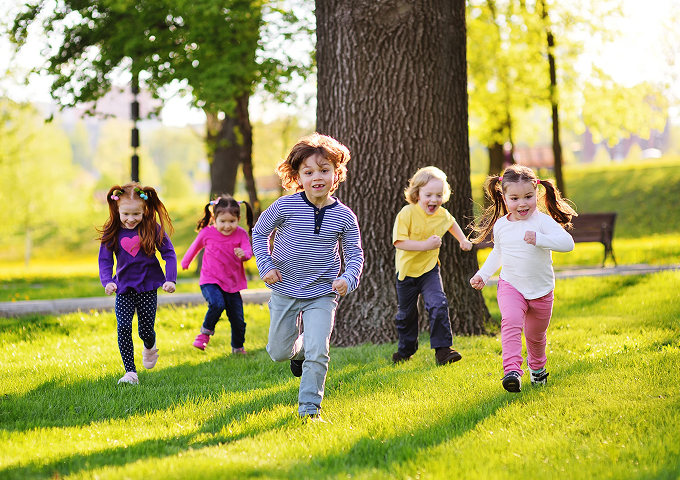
[{"x": 306, "y": 246}]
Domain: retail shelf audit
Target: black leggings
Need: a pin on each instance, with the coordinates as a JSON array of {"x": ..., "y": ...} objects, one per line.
[{"x": 145, "y": 303}]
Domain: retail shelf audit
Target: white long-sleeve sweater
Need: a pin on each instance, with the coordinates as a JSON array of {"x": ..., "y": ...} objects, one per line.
[{"x": 526, "y": 267}]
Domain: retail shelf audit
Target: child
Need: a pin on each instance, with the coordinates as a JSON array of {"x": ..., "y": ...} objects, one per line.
[
  {"x": 523, "y": 240},
  {"x": 303, "y": 267},
  {"x": 222, "y": 278},
  {"x": 417, "y": 236},
  {"x": 138, "y": 225}
]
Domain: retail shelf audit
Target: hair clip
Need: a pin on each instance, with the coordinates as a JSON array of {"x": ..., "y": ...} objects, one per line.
[
  {"x": 141, "y": 193},
  {"x": 538, "y": 181},
  {"x": 500, "y": 179},
  {"x": 115, "y": 195},
  {"x": 214, "y": 202},
  {"x": 239, "y": 202}
]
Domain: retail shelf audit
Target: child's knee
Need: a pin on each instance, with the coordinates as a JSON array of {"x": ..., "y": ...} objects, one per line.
[{"x": 279, "y": 354}]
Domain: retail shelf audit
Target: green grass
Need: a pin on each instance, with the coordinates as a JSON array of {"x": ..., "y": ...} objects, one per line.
[{"x": 610, "y": 410}]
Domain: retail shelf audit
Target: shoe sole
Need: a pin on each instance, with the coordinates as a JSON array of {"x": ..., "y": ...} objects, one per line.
[
  {"x": 512, "y": 385},
  {"x": 202, "y": 347},
  {"x": 294, "y": 369}
]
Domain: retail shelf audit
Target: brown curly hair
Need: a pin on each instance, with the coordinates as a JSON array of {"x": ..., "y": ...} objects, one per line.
[{"x": 315, "y": 144}]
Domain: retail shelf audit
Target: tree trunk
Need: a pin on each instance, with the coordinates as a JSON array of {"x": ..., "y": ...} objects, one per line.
[
  {"x": 554, "y": 104},
  {"x": 230, "y": 142},
  {"x": 496, "y": 158},
  {"x": 392, "y": 87}
]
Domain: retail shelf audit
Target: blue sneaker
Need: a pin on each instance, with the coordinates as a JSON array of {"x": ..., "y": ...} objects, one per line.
[{"x": 512, "y": 382}]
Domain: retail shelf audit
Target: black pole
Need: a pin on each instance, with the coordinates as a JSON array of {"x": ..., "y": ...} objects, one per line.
[{"x": 135, "y": 132}]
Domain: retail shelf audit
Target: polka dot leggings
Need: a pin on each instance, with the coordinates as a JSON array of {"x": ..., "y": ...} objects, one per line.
[{"x": 145, "y": 303}]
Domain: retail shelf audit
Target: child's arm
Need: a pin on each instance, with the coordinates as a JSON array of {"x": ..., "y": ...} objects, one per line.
[
  {"x": 555, "y": 237},
  {"x": 265, "y": 225},
  {"x": 168, "y": 254},
  {"x": 458, "y": 234},
  {"x": 431, "y": 243},
  {"x": 244, "y": 251},
  {"x": 196, "y": 246},
  {"x": 353, "y": 254},
  {"x": 106, "y": 270}
]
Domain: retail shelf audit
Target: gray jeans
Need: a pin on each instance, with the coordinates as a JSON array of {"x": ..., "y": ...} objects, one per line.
[{"x": 301, "y": 329}]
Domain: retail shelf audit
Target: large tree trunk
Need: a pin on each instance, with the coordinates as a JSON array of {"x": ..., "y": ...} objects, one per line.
[
  {"x": 230, "y": 142},
  {"x": 392, "y": 87}
]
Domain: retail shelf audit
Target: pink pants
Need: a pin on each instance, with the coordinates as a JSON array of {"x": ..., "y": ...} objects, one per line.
[{"x": 518, "y": 313}]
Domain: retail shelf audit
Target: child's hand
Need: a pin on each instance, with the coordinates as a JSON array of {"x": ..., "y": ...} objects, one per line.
[
  {"x": 340, "y": 286},
  {"x": 239, "y": 252},
  {"x": 477, "y": 282},
  {"x": 433, "y": 242},
  {"x": 169, "y": 287},
  {"x": 530, "y": 237},
  {"x": 272, "y": 276},
  {"x": 110, "y": 288},
  {"x": 465, "y": 245}
]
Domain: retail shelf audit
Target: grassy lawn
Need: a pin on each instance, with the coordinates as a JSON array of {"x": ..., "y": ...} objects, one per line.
[{"x": 611, "y": 408}]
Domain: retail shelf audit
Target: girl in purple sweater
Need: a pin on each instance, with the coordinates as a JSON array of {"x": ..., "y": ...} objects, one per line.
[
  {"x": 138, "y": 225},
  {"x": 223, "y": 276}
]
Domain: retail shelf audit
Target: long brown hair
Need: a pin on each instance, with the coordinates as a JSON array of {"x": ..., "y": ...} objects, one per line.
[
  {"x": 557, "y": 207},
  {"x": 225, "y": 203},
  {"x": 155, "y": 215}
]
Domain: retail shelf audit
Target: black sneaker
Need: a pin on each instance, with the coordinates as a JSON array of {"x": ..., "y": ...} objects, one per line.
[
  {"x": 512, "y": 382},
  {"x": 446, "y": 355},
  {"x": 296, "y": 367},
  {"x": 539, "y": 378},
  {"x": 398, "y": 358}
]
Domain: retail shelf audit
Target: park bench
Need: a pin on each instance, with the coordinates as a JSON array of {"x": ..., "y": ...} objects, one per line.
[{"x": 588, "y": 227}]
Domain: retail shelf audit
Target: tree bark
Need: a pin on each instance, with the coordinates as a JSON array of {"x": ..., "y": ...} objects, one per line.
[
  {"x": 230, "y": 142},
  {"x": 554, "y": 103},
  {"x": 392, "y": 85}
]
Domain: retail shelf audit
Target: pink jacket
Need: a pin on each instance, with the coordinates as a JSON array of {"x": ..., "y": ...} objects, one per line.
[{"x": 220, "y": 265}]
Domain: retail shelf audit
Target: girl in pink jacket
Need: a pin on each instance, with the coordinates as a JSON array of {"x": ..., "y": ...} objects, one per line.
[{"x": 223, "y": 276}]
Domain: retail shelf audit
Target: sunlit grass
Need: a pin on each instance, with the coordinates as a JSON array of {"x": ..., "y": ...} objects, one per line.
[{"x": 610, "y": 409}]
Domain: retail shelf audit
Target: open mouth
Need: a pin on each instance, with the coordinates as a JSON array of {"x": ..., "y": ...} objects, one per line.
[
  {"x": 318, "y": 186},
  {"x": 523, "y": 211},
  {"x": 432, "y": 208}
]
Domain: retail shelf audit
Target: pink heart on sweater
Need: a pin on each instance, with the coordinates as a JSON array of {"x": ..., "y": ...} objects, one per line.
[{"x": 130, "y": 245}]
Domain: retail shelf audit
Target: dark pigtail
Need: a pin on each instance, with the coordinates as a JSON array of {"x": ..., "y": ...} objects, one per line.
[
  {"x": 483, "y": 226},
  {"x": 207, "y": 217},
  {"x": 558, "y": 208}
]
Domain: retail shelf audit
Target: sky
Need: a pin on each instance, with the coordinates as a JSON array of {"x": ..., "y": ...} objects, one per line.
[{"x": 633, "y": 58}]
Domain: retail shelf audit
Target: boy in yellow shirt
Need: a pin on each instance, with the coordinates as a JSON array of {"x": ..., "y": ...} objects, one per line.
[{"x": 417, "y": 236}]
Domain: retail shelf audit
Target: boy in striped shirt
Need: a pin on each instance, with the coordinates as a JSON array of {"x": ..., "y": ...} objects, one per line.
[{"x": 303, "y": 266}]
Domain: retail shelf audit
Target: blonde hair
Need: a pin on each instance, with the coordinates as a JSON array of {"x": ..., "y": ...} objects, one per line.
[
  {"x": 422, "y": 178},
  {"x": 315, "y": 144}
]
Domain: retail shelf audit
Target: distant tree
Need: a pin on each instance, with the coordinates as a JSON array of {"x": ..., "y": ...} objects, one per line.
[
  {"x": 213, "y": 46},
  {"x": 36, "y": 175},
  {"x": 392, "y": 87}
]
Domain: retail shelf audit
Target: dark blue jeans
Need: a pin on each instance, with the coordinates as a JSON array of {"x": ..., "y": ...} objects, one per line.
[
  {"x": 429, "y": 285},
  {"x": 219, "y": 301}
]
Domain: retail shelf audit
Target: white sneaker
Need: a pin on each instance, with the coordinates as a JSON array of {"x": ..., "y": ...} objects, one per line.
[
  {"x": 129, "y": 377},
  {"x": 539, "y": 378},
  {"x": 149, "y": 356}
]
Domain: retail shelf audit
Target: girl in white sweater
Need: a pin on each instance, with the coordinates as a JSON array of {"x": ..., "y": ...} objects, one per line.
[{"x": 524, "y": 239}]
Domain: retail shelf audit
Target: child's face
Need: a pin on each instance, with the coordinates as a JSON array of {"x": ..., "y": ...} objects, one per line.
[
  {"x": 431, "y": 196},
  {"x": 316, "y": 176},
  {"x": 520, "y": 199},
  {"x": 131, "y": 212},
  {"x": 226, "y": 223}
]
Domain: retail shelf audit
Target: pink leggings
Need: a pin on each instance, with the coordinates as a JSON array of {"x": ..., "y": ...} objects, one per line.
[{"x": 518, "y": 313}]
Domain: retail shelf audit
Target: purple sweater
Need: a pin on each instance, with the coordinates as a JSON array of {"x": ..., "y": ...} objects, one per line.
[{"x": 136, "y": 271}]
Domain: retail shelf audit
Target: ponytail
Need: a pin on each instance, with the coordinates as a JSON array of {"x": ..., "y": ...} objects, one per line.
[
  {"x": 558, "y": 208},
  {"x": 483, "y": 226}
]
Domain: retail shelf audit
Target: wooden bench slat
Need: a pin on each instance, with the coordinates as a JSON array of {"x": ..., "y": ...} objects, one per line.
[{"x": 588, "y": 227}]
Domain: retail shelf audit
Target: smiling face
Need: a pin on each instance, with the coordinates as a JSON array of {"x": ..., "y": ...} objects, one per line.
[
  {"x": 226, "y": 223},
  {"x": 316, "y": 177},
  {"x": 431, "y": 196},
  {"x": 131, "y": 212},
  {"x": 520, "y": 199}
]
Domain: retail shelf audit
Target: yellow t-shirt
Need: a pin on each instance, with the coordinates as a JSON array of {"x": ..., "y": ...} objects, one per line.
[{"x": 413, "y": 223}]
